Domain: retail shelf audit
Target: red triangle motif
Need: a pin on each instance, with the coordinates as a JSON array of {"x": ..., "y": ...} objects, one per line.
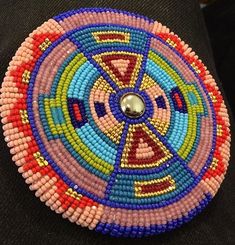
[
  {"x": 151, "y": 158},
  {"x": 122, "y": 70}
]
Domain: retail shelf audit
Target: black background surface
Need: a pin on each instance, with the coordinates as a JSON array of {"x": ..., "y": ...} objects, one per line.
[{"x": 23, "y": 218}]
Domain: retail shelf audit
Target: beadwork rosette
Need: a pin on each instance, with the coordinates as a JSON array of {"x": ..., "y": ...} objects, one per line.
[{"x": 115, "y": 123}]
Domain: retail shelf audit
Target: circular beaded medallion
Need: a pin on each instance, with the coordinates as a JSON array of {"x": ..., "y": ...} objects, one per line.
[{"x": 115, "y": 122}]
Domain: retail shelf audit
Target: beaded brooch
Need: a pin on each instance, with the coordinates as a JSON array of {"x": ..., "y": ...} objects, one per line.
[{"x": 115, "y": 122}]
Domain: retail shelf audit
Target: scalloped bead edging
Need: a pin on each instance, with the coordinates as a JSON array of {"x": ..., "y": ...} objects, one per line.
[{"x": 84, "y": 157}]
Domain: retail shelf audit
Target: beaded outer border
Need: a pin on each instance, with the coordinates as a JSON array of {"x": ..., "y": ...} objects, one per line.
[{"x": 48, "y": 185}]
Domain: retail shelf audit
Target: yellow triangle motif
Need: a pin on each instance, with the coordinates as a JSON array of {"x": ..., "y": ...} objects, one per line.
[
  {"x": 147, "y": 82},
  {"x": 115, "y": 132},
  {"x": 102, "y": 84}
]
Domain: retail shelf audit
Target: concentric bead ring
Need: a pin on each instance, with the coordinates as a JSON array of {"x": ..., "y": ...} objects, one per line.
[{"x": 115, "y": 123}]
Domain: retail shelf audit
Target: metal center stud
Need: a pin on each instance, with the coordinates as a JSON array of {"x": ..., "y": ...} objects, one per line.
[{"x": 132, "y": 105}]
